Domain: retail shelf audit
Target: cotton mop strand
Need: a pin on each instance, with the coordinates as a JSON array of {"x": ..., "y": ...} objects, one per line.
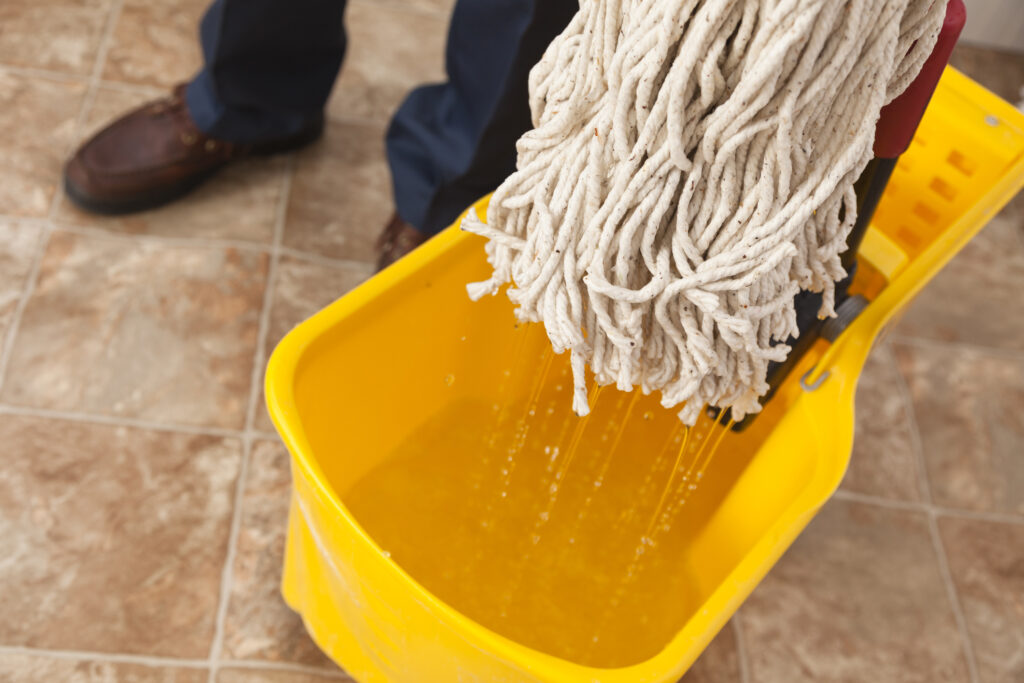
[{"x": 691, "y": 167}]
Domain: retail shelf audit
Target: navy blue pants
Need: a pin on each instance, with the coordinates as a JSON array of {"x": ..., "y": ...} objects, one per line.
[{"x": 270, "y": 65}]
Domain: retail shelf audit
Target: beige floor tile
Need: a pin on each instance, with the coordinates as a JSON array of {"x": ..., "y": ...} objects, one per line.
[
  {"x": 265, "y": 676},
  {"x": 442, "y": 7},
  {"x": 140, "y": 330},
  {"x": 976, "y": 298},
  {"x": 23, "y": 668},
  {"x": 70, "y": 32},
  {"x": 719, "y": 663},
  {"x": 1000, "y": 72},
  {"x": 239, "y": 203},
  {"x": 156, "y": 42},
  {"x": 985, "y": 560},
  {"x": 18, "y": 243},
  {"x": 259, "y": 625},
  {"x": 969, "y": 408},
  {"x": 114, "y": 538},
  {"x": 37, "y": 121},
  {"x": 341, "y": 194},
  {"x": 390, "y": 51},
  {"x": 300, "y": 290},
  {"x": 884, "y": 462},
  {"x": 857, "y": 598}
]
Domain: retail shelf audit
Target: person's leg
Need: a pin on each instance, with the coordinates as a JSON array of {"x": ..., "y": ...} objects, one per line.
[
  {"x": 269, "y": 67},
  {"x": 450, "y": 144}
]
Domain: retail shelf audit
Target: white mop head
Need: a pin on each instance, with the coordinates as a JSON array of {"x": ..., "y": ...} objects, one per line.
[{"x": 691, "y": 167}]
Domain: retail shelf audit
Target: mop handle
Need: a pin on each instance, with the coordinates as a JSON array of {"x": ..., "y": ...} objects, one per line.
[
  {"x": 897, "y": 123},
  {"x": 899, "y": 119}
]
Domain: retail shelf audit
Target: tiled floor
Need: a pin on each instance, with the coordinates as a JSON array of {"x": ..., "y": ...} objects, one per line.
[{"x": 143, "y": 495}]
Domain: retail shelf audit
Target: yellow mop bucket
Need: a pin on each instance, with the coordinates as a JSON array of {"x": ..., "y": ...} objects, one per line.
[{"x": 395, "y": 390}]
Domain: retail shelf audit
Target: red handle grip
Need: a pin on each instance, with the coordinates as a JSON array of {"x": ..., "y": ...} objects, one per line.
[{"x": 899, "y": 119}]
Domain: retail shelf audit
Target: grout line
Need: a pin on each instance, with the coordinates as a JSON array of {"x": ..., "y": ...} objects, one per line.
[
  {"x": 741, "y": 649},
  {"x": 105, "y": 40},
  {"x": 929, "y": 508},
  {"x": 328, "y": 261},
  {"x": 933, "y": 529},
  {"x": 34, "y": 221},
  {"x": 259, "y": 356},
  {"x": 878, "y": 501},
  {"x": 954, "y": 598},
  {"x": 28, "y": 287},
  {"x": 115, "y": 421},
  {"x": 274, "y": 436},
  {"x": 284, "y": 666},
  {"x": 227, "y": 575},
  {"x": 79, "y": 655},
  {"x": 47, "y": 74},
  {"x": 90, "y": 93},
  {"x": 162, "y": 240},
  {"x": 994, "y": 517},
  {"x": 916, "y": 445},
  {"x": 924, "y": 343},
  {"x": 227, "y": 571},
  {"x": 196, "y": 242},
  {"x": 166, "y": 662}
]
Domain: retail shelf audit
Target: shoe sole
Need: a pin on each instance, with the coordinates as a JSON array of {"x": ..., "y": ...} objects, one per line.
[{"x": 166, "y": 194}]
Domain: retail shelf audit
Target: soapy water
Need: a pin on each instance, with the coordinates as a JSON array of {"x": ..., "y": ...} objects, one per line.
[{"x": 565, "y": 534}]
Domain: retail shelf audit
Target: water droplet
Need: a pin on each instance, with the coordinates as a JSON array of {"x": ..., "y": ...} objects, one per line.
[
  {"x": 553, "y": 488},
  {"x": 533, "y": 411},
  {"x": 547, "y": 450},
  {"x": 572, "y": 540},
  {"x": 597, "y": 484},
  {"x": 551, "y": 410},
  {"x": 700, "y": 475},
  {"x": 449, "y": 380},
  {"x": 692, "y": 487},
  {"x": 504, "y": 494},
  {"x": 504, "y": 471},
  {"x": 535, "y": 539},
  {"x": 463, "y": 338},
  {"x": 594, "y": 639},
  {"x": 648, "y": 415},
  {"x": 385, "y": 553},
  {"x": 507, "y": 373},
  {"x": 544, "y": 516},
  {"x": 558, "y": 387}
]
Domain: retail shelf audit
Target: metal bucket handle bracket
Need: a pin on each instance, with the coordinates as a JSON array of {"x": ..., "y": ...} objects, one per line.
[{"x": 846, "y": 313}]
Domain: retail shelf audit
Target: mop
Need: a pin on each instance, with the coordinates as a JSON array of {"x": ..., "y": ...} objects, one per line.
[{"x": 690, "y": 170}]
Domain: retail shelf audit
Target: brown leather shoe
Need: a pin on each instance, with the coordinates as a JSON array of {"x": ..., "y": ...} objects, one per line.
[
  {"x": 155, "y": 154},
  {"x": 397, "y": 240}
]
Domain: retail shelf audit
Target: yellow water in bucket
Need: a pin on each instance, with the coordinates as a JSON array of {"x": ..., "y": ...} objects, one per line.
[
  {"x": 555, "y": 520},
  {"x": 408, "y": 563}
]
